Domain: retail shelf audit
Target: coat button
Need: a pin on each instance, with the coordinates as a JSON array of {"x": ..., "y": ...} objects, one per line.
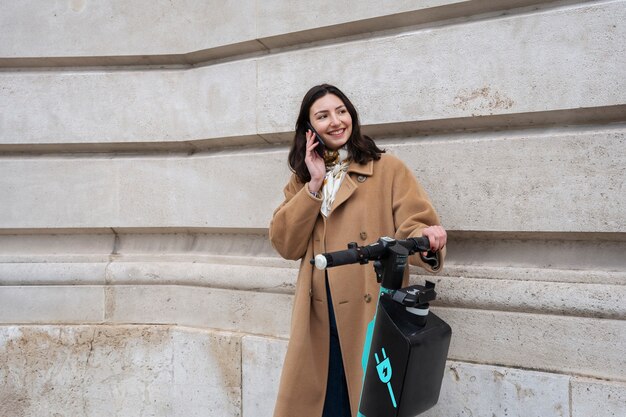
[
  {"x": 361, "y": 178},
  {"x": 367, "y": 298},
  {"x": 363, "y": 235}
]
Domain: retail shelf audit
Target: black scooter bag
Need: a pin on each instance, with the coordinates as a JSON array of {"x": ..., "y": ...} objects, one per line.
[{"x": 406, "y": 363}]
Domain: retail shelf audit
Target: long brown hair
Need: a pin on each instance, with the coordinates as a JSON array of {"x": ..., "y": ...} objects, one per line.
[{"x": 361, "y": 148}]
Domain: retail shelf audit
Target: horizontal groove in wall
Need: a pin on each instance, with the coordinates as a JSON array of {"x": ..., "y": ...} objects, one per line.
[
  {"x": 453, "y": 234},
  {"x": 474, "y": 250},
  {"x": 584, "y": 258},
  {"x": 528, "y": 298},
  {"x": 449, "y": 14},
  {"x": 130, "y": 230},
  {"x": 192, "y": 306},
  {"x": 15, "y": 266},
  {"x": 595, "y": 117},
  {"x": 466, "y": 234},
  {"x": 139, "y": 62},
  {"x": 145, "y": 147},
  {"x": 452, "y": 364},
  {"x": 597, "y": 300},
  {"x": 523, "y": 273}
]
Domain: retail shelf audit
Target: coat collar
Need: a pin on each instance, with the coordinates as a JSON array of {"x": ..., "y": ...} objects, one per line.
[{"x": 362, "y": 169}]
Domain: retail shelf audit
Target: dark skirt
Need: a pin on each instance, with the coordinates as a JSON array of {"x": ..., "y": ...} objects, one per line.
[{"x": 337, "y": 402}]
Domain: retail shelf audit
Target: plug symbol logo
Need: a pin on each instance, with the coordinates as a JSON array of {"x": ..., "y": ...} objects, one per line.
[{"x": 384, "y": 373}]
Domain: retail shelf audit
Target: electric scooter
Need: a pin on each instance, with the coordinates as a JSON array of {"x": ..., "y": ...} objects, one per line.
[{"x": 406, "y": 346}]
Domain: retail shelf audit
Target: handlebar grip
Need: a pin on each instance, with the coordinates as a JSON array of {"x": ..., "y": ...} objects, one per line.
[
  {"x": 421, "y": 244},
  {"x": 342, "y": 257}
]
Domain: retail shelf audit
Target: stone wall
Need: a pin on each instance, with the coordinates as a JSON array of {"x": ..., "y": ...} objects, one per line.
[{"x": 142, "y": 152}]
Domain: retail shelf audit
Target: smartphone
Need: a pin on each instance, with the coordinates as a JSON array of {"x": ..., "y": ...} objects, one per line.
[{"x": 322, "y": 146}]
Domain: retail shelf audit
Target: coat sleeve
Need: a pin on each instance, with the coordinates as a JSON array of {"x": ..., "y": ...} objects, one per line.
[
  {"x": 293, "y": 221},
  {"x": 413, "y": 212}
]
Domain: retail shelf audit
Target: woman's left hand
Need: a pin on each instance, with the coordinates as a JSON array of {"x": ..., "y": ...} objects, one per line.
[{"x": 437, "y": 237}]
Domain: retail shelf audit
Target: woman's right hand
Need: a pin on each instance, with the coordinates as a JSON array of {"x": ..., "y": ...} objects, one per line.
[{"x": 314, "y": 163}]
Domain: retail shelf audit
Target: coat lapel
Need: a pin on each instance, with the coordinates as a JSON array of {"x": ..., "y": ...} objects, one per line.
[{"x": 348, "y": 185}]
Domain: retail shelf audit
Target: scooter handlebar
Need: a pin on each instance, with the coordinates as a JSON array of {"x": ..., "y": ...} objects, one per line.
[{"x": 371, "y": 252}]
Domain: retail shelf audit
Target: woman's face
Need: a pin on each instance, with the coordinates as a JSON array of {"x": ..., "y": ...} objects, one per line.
[{"x": 330, "y": 117}]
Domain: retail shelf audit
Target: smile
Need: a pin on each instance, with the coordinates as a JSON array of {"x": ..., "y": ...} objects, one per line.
[{"x": 337, "y": 132}]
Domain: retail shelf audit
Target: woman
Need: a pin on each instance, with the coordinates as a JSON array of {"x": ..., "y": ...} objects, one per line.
[{"x": 354, "y": 192}]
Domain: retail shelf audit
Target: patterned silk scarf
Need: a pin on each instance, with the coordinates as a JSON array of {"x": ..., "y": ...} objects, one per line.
[{"x": 337, "y": 163}]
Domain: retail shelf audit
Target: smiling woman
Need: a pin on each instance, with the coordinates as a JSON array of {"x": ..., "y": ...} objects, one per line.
[{"x": 350, "y": 191}]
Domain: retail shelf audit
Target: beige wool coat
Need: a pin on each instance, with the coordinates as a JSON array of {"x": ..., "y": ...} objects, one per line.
[{"x": 380, "y": 198}]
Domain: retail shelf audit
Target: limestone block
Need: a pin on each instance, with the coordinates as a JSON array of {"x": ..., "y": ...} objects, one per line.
[
  {"x": 526, "y": 182},
  {"x": 206, "y": 373},
  {"x": 302, "y": 21},
  {"x": 118, "y": 28},
  {"x": 66, "y": 190},
  {"x": 49, "y": 273},
  {"x": 281, "y": 16},
  {"x": 480, "y": 68},
  {"x": 128, "y": 106},
  {"x": 227, "y": 245},
  {"x": 240, "y": 277},
  {"x": 51, "y": 304},
  {"x": 118, "y": 371},
  {"x": 544, "y": 257},
  {"x": 615, "y": 277},
  {"x": 598, "y": 398},
  {"x": 85, "y": 370},
  {"x": 240, "y": 311},
  {"x": 588, "y": 300},
  {"x": 481, "y": 390},
  {"x": 211, "y": 191},
  {"x": 570, "y": 345},
  {"x": 87, "y": 243},
  {"x": 262, "y": 362}
]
